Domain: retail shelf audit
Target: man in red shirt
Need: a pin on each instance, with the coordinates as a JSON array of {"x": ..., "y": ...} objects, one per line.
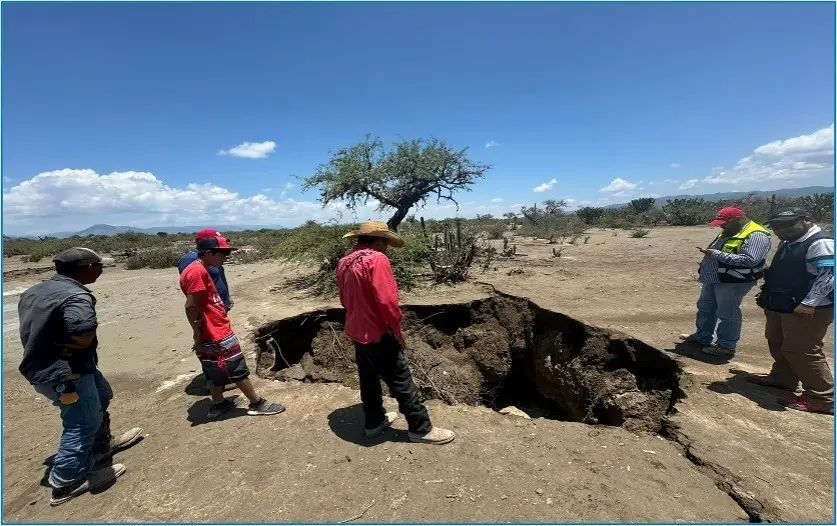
[
  {"x": 369, "y": 294},
  {"x": 215, "y": 343}
]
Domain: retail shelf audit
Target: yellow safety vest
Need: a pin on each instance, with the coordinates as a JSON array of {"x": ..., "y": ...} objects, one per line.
[{"x": 732, "y": 273}]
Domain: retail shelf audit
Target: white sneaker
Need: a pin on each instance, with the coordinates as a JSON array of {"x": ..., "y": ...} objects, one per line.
[
  {"x": 389, "y": 418},
  {"x": 437, "y": 436}
]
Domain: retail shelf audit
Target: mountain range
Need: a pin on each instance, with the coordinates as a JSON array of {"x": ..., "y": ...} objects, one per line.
[
  {"x": 787, "y": 192},
  {"x": 111, "y": 230}
]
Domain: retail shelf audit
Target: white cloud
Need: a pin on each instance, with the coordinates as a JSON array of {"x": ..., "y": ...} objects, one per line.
[
  {"x": 545, "y": 186},
  {"x": 619, "y": 185},
  {"x": 497, "y": 200},
  {"x": 251, "y": 150},
  {"x": 65, "y": 200},
  {"x": 674, "y": 165},
  {"x": 491, "y": 144},
  {"x": 689, "y": 184},
  {"x": 670, "y": 181},
  {"x": 517, "y": 205},
  {"x": 782, "y": 161},
  {"x": 288, "y": 186},
  {"x": 587, "y": 202}
]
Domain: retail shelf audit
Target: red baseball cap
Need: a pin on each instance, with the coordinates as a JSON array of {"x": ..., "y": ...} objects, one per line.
[
  {"x": 725, "y": 214},
  {"x": 214, "y": 243},
  {"x": 207, "y": 232}
]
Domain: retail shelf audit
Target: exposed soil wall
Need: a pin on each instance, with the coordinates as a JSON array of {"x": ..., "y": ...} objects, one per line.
[{"x": 495, "y": 351}]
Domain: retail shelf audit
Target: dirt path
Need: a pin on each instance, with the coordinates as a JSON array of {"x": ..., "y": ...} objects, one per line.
[{"x": 310, "y": 464}]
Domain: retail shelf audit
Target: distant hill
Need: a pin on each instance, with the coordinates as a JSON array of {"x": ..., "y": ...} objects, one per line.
[
  {"x": 788, "y": 192},
  {"x": 111, "y": 230}
]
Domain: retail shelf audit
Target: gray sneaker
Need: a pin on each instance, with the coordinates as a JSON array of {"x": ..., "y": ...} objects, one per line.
[
  {"x": 389, "y": 418},
  {"x": 94, "y": 479},
  {"x": 216, "y": 410},
  {"x": 264, "y": 407}
]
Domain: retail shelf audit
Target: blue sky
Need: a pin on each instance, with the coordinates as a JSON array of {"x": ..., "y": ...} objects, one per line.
[{"x": 119, "y": 113}]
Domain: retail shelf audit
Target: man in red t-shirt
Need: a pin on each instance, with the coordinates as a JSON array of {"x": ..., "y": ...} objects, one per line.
[
  {"x": 369, "y": 294},
  {"x": 215, "y": 343}
]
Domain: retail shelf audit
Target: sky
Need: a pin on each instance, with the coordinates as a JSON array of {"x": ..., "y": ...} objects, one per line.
[{"x": 152, "y": 114}]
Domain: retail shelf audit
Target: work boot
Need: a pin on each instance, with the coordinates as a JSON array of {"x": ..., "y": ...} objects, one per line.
[
  {"x": 94, "y": 479},
  {"x": 389, "y": 418},
  {"x": 717, "y": 350},
  {"x": 436, "y": 436}
]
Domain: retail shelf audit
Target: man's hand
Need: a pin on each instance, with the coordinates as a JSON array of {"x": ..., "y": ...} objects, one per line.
[
  {"x": 705, "y": 251},
  {"x": 231, "y": 305},
  {"x": 804, "y": 310}
]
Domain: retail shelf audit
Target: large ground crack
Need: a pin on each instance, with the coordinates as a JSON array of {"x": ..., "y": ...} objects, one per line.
[
  {"x": 498, "y": 351},
  {"x": 725, "y": 480}
]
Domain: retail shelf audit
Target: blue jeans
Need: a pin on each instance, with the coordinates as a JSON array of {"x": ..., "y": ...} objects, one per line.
[
  {"x": 721, "y": 301},
  {"x": 85, "y": 422}
]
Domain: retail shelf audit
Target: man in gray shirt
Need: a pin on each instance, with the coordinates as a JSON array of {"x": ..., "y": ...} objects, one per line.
[{"x": 58, "y": 331}]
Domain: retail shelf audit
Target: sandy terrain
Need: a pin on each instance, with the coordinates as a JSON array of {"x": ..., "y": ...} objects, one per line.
[{"x": 736, "y": 455}]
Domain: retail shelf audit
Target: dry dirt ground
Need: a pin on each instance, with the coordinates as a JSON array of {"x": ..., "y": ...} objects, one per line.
[{"x": 736, "y": 454}]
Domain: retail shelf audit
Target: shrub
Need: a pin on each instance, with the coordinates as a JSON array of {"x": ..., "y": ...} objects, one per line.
[
  {"x": 639, "y": 233},
  {"x": 496, "y": 230},
  {"x": 161, "y": 257},
  {"x": 452, "y": 255}
]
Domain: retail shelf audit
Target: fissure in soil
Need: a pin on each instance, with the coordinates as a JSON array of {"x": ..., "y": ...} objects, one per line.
[{"x": 497, "y": 351}]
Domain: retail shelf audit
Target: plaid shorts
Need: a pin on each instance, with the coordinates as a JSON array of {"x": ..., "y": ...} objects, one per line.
[{"x": 223, "y": 362}]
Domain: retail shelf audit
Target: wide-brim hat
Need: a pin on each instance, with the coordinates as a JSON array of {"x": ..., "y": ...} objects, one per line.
[{"x": 377, "y": 229}]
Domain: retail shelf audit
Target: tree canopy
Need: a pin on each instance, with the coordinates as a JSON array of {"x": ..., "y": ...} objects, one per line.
[{"x": 399, "y": 179}]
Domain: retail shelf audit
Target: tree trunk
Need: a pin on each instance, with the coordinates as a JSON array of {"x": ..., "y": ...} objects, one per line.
[{"x": 397, "y": 217}]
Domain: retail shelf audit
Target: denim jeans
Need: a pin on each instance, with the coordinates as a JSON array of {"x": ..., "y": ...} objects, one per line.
[
  {"x": 721, "y": 301},
  {"x": 385, "y": 360},
  {"x": 85, "y": 422}
]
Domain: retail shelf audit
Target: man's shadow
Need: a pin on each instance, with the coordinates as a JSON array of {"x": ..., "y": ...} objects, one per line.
[
  {"x": 766, "y": 397},
  {"x": 348, "y": 424},
  {"x": 197, "y": 386},
  {"x": 693, "y": 351}
]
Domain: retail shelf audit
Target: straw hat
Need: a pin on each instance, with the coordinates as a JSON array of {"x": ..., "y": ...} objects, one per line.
[{"x": 378, "y": 229}]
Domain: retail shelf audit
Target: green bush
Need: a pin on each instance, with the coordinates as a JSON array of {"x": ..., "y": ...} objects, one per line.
[{"x": 158, "y": 257}]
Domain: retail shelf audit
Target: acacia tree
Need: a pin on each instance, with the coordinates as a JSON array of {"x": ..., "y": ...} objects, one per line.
[
  {"x": 642, "y": 205},
  {"x": 398, "y": 179}
]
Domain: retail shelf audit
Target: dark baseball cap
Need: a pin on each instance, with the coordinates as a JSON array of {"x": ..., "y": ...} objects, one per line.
[
  {"x": 80, "y": 257},
  {"x": 788, "y": 216},
  {"x": 214, "y": 243}
]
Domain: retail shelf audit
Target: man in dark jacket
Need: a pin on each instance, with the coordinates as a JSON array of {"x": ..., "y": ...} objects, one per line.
[
  {"x": 58, "y": 331},
  {"x": 798, "y": 302},
  {"x": 219, "y": 278}
]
